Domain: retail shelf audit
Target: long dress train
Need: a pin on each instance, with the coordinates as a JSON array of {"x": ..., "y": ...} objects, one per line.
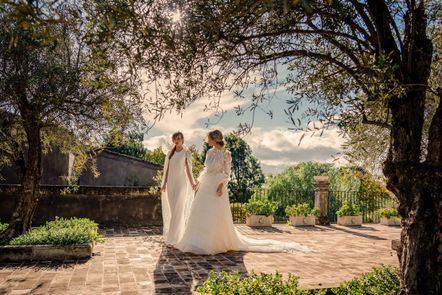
[
  {"x": 210, "y": 228},
  {"x": 177, "y": 199}
]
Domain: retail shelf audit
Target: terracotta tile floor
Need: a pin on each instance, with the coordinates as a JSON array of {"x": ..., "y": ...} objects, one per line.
[{"x": 135, "y": 261}]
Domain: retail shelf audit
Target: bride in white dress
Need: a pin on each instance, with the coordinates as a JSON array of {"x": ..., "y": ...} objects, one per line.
[
  {"x": 177, "y": 189},
  {"x": 210, "y": 228}
]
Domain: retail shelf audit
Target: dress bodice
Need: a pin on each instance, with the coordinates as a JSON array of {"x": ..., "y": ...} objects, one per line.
[
  {"x": 177, "y": 162},
  {"x": 218, "y": 162},
  {"x": 175, "y": 167}
]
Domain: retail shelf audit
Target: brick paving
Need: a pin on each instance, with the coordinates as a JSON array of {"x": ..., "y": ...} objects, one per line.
[{"x": 135, "y": 261}]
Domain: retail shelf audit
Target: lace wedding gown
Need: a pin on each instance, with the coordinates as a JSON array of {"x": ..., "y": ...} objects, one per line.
[
  {"x": 210, "y": 228},
  {"x": 177, "y": 199}
]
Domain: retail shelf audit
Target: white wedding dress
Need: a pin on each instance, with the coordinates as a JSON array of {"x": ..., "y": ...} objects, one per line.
[
  {"x": 210, "y": 228},
  {"x": 177, "y": 199}
]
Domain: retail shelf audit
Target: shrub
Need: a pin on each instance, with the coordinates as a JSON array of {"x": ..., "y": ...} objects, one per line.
[
  {"x": 61, "y": 231},
  {"x": 315, "y": 211},
  {"x": 388, "y": 212},
  {"x": 301, "y": 209},
  {"x": 228, "y": 283},
  {"x": 3, "y": 226},
  {"x": 348, "y": 209},
  {"x": 381, "y": 280},
  {"x": 257, "y": 206}
]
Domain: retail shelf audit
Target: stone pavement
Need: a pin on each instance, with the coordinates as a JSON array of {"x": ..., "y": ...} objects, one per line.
[{"x": 135, "y": 261}]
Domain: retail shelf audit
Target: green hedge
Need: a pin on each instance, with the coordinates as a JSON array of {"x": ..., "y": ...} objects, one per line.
[
  {"x": 61, "y": 232},
  {"x": 381, "y": 280},
  {"x": 232, "y": 283}
]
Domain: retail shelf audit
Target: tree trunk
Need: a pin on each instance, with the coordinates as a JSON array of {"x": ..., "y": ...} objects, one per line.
[
  {"x": 418, "y": 186},
  {"x": 21, "y": 219},
  {"x": 416, "y": 183},
  {"x": 420, "y": 242},
  {"x": 420, "y": 208}
]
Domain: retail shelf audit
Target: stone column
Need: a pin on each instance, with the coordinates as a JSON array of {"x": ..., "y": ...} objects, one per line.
[{"x": 321, "y": 199}]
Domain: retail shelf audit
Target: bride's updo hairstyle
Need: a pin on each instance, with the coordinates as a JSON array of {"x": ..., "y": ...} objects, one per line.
[
  {"x": 174, "y": 136},
  {"x": 217, "y": 136}
]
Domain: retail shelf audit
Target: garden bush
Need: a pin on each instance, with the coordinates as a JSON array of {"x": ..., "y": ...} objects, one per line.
[
  {"x": 3, "y": 226},
  {"x": 348, "y": 209},
  {"x": 232, "y": 283},
  {"x": 303, "y": 209},
  {"x": 388, "y": 212},
  {"x": 257, "y": 206},
  {"x": 381, "y": 280},
  {"x": 61, "y": 232}
]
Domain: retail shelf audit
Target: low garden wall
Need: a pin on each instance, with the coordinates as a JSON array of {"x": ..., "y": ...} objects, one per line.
[{"x": 105, "y": 205}]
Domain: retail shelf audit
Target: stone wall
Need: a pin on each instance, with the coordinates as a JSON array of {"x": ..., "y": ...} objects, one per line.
[
  {"x": 115, "y": 170},
  {"x": 55, "y": 167},
  {"x": 120, "y": 170},
  {"x": 105, "y": 205}
]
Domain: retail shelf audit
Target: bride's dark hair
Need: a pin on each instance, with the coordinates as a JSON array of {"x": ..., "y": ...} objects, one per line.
[
  {"x": 217, "y": 136},
  {"x": 175, "y": 135}
]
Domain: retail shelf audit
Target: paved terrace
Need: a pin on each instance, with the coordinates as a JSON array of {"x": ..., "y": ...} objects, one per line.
[{"x": 135, "y": 261}]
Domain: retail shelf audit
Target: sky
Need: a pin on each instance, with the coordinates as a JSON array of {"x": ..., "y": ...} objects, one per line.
[{"x": 271, "y": 140}]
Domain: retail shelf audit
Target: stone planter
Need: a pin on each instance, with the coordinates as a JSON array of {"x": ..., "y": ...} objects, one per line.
[
  {"x": 390, "y": 221},
  {"x": 259, "y": 220},
  {"x": 350, "y": 220},
  {"x": 302, "y": 220},
  {"x": 45, "y": 252}
]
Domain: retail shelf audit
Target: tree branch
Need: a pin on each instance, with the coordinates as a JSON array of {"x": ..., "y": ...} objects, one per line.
[
  {"x": 302, "y": 31},
  {"x": 319, "y": 56},
  {"x": 375, "y": 123}
]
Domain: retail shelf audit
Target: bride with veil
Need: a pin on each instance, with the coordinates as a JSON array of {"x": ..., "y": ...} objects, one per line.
[{"x": 209, "y": 228}]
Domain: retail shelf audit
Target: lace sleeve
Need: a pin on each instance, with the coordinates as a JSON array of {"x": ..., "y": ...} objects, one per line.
[{"x": 227, "y": 168}]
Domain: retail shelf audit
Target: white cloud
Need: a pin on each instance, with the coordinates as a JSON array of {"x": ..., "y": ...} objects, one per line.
[{"x": 278, "y": 148}]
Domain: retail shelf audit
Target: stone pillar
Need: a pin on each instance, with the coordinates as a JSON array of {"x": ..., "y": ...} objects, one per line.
[{"x": 321, "y": 199}]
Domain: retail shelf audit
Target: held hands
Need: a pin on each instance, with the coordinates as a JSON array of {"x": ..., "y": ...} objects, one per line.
[
  {"x": 219, "y": 190},
  {"x": 195, "y": 186}
]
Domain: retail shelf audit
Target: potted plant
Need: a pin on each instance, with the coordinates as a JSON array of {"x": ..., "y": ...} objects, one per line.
[
  {"x": 302, "y": 214},
  {"x": 389, "y": 216},
  {"x": 260, "y": 212},
  {"x": 349, "y": 214}
]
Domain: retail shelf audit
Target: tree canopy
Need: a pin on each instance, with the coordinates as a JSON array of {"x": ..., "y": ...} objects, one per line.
[
  {"x": 246, "y": 169},
  {"x": 58, "y": 88}
]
